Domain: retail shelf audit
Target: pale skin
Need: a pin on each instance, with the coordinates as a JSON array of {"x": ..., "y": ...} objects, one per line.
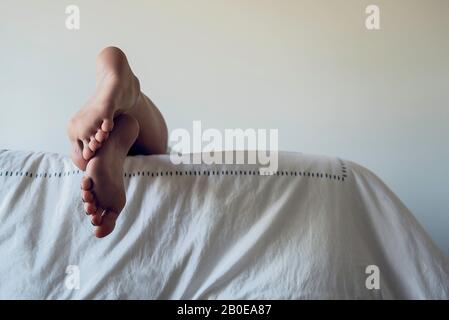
[{"x": 118, "y": 120}]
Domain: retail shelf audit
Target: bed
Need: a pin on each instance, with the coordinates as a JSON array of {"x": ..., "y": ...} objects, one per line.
[{"x": 317, "y": 228}]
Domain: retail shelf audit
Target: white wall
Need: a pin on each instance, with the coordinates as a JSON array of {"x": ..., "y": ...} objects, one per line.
[{"x": 309, "y": 68}]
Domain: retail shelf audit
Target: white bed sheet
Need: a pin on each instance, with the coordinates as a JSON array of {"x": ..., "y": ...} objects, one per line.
[{"x": 215, "y": 232}]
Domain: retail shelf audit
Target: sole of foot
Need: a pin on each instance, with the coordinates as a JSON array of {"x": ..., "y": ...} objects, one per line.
[
  {"x": 117, "y": 91},
  {"x": 102, "y": 187}
]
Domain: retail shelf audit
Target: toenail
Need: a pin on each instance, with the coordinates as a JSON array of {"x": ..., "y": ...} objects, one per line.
[
  {"x": 87, "y": 213},
  {"x": 83, "y": 200},
  {"x": 93, "y": 224}
]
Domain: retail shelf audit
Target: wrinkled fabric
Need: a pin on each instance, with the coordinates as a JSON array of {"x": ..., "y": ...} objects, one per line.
[{"x": 308, "y": 231}]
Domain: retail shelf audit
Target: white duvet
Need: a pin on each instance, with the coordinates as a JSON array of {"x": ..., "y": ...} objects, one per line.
[{"x": 309, "y": 231}]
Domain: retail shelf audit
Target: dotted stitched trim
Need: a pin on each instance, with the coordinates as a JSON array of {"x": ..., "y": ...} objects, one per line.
[
  {"x": 339, "y": 177},
  {"x": 343, "y": 169},
  {"x": 39, "y": 175},
  {"x": 234, "y": 173}
]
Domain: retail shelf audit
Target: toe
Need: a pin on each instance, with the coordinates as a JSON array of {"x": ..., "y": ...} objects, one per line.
[
  {"x": 96, "y": 218},
  {"x": 87, "y": 153},
  {"x": 101, "y": 135},
  {"x": 87, "y": 196},
  {"x": 107, "y": 125},
  {"x": 94, "y": 145},
  {"x": 86, "y": 183},
  {"x": 90, "y": 208},
  {"x": 107, "y": 224}
]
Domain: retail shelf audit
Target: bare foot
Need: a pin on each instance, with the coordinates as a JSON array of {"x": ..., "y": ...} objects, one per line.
[
  {"x": 103, "y": 191},
  {"x": 117, "y": 91}
]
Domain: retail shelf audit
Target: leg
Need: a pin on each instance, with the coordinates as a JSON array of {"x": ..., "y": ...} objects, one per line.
[{"x": 153, "y": 136}]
